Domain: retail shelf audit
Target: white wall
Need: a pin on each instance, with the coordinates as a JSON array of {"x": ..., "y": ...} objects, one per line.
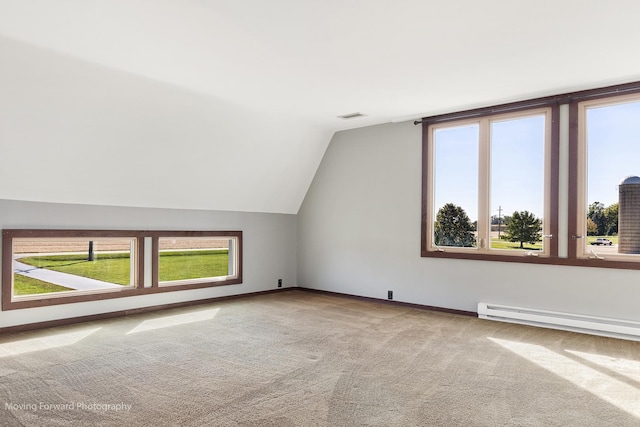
[
  {"x": 359, "y": 233},
  {"x": 72, "y": 131},
  {"x": 269, "y": 251}
]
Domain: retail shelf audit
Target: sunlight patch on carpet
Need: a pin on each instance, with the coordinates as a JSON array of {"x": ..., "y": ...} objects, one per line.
[
  {"x": 626, "y": 367},
  {"x": 45, "y": 342},
  {"x": 178, "y": 319},
  {"x": 618, "y": 393}
]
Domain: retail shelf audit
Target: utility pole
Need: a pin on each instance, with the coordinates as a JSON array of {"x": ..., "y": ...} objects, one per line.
[{"x": 499, "y": 219}]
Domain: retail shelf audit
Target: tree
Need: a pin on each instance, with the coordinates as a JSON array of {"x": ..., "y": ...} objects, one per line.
[
  {"x": 453, "y": 227},
  {"x": 523, "y": 227},
  {"x": 496, "y": 219},
  {"x": 596, "y": 214},
  {"x": 592, "y": 228},
  {"x": 611, "y": 219}
]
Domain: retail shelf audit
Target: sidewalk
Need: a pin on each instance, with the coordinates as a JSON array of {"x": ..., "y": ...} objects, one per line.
[{"x": 63, "y": 279}]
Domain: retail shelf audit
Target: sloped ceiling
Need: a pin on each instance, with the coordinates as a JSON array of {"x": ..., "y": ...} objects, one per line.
[{"x": 230, "y": 105}]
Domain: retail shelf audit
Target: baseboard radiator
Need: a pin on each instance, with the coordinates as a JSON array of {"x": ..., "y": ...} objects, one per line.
[{"x": 616, "y": 328}]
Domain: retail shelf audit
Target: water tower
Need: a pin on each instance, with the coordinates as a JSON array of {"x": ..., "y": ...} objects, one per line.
[{"x": 629, "y": 216}]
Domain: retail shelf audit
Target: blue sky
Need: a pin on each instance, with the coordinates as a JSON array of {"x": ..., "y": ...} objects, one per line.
[
  {"x": 517, "y": 165},
  {"x": 517, "y": 159},
  {"x": 517, "y": 172},
  {"x": 456, "y": 168},
  {"x": 614, "y": 149}
]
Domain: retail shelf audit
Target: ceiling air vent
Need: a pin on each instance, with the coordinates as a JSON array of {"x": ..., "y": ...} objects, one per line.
[{"x": 351, "y": 116}]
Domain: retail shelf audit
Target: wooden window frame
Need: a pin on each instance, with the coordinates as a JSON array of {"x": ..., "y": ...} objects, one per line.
[
  {"x": 575, "y": 172},
  {"x": 9, "y": 302},
  {"x": 521, "y": 109},
  {"x": 578, "y": 104},
  {"x": 199, "y": 283}
]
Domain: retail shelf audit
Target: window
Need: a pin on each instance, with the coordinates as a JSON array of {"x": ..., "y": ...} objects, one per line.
[
  {"x": 183, "y": 260},
  {"x": 490, "y": 184},
  {"x": 607, "y": 183},
  {"x": 52, "y": 265},
  {"x": 482, "y": 169},
  {"x": 455, "y": 185},
  {"x": 46, "y": 267}
]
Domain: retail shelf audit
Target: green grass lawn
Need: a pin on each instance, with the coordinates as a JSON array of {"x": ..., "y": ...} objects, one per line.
[
  {"x": 115, "y": 268},
  {"x": 111, "y": 267},
  {"x": 23, "y": 285},
  {"x": 505, "y": 244},
  {"x": 183, "y": 265}
]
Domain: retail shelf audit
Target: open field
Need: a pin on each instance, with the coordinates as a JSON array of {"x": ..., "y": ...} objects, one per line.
[{"x": 35, "y": 246}]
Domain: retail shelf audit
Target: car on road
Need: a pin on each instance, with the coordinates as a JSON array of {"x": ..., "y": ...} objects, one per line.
[{"x": 602, "y": 241}]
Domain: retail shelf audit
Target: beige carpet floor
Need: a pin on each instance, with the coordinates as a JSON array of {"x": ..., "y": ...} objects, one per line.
[{"x": 299, "y": 358}]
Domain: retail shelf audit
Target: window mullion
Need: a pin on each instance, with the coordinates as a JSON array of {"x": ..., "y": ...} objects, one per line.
[
  {"x": 581, "y": 226},
  {"x": 484, "y": 160}
]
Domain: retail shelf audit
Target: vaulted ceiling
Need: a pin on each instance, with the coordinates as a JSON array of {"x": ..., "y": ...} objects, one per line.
[{"x": 230, "y": 104}]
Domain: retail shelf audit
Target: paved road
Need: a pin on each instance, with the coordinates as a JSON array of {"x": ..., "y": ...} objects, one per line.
[
  {"x": 63, "y": 279},
  {"x": 603, "y": 250}
]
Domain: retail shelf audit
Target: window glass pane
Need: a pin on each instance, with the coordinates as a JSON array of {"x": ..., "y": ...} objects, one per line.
[
  {"x": 46, "y": 266},
  {"x": 613, "y": 195},
  {"x": 455, "y": 186},
  {"x": 517, "y": 183},
  {"x": 194, "y": 258}
]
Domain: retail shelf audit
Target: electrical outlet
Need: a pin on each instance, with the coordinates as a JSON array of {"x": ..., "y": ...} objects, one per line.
[
  {"x": 279, "y": 283},
  {"x": 389, "y": 294}
]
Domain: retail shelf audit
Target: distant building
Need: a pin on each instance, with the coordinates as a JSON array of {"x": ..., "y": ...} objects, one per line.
[{"x": 629, "y": 216}]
